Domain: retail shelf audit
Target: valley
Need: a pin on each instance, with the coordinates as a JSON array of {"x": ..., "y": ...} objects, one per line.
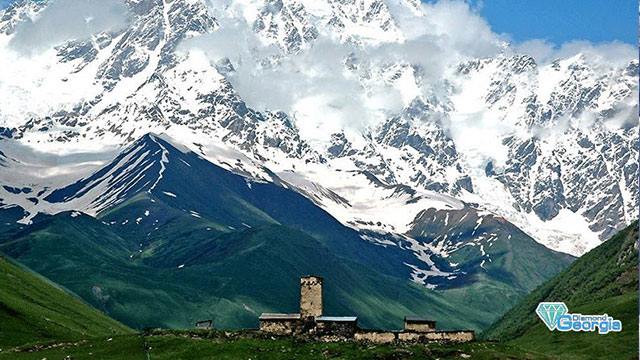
[{"x": 164, "y": 162}]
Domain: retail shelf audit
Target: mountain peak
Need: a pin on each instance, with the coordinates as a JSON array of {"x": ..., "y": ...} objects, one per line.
[{"x": 133, "y": 86}]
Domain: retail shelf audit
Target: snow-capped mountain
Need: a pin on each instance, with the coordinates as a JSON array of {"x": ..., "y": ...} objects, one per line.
[
  {"x": 552, "y": 148},
  {"x": 161, "y": 216},
  {"x": 154, "y": 184}
]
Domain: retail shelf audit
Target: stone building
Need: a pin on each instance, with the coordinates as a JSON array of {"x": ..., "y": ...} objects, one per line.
[
  {"x": 204, "y": 324},
  {"x": 310, "y": 296},
  {"x": 311, "y": 322},
  {"x": 310, "y": 319},
  {"x": 436, "y": 336},
  {"x": 280, "y": 324},
  {"x": 337, "y": 325},
  {"x": 418, "y": 324},
  {"x": 304, "y": 321}
]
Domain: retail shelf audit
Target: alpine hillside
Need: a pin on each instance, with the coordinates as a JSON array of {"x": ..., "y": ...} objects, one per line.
[
  {"x": 33, "y": 310},
  {"x": 603, "y": 281},
  {"x": 163, "y": 237}
]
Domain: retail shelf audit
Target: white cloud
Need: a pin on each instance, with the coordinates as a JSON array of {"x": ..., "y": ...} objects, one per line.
[
  {"x": 63, "y": 20},
  {"x": 323, "y": 96},
  {"x": 316, "y": 88},
  {"x": 462, "y": 28},
  {"x": 33, "y": 81},
  {"x": 313, "y": 86}
]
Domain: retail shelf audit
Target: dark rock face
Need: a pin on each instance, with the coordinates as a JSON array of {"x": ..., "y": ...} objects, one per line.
[
  {"x": 339, "y": 145},
  {"x": 581, "y": 168},
  {"x": 75, "y": 50},
  {"x": 288, "y": 25},
  {"x": 419, "y": 128},
  {"x": 6, "y": 133},
  {"x": 158, "y": 28},
  {"x": 17, "y": 12}
]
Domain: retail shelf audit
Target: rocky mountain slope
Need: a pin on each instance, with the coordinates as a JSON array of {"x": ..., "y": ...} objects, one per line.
[
  {"x": 562, "y": 166},
  {"x": 162, "y": 228}
]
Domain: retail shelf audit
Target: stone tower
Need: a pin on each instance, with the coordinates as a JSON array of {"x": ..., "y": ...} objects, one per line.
[{"x": 310, "y": 296}]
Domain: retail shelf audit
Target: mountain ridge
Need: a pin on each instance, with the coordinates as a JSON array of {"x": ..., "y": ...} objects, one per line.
[
  {"x": 584, "y": 176},
  {"x": 194, "y": 217}
]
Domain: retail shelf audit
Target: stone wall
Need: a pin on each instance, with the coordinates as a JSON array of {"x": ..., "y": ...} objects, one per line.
[
  {"x": 280, "y": 327},
  {"x": 376, "y": 337},
  {"x": 310, "y": 296},
  {"x": 386, "y": 337},
  {"x": 459, "y": 336},
  {"x": 419, "y": 327},
  {"x": 341, "y": 329},
  {"x": 444, "y": 336}
]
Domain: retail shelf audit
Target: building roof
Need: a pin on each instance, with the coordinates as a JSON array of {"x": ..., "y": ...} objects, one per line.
[
  {"x": 311, "y": 276},
  {"x": 337, "y": 319},
  {"x": 277, "y": 316},
  {"x": 418, "y": 320}
]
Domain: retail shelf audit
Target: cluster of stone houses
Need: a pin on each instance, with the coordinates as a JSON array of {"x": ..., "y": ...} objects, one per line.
[{"x": 311, "y": 321}]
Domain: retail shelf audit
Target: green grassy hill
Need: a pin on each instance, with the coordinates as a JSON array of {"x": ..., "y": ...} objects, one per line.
[
  {"x": 180, "y": 239},
  {"x": 605, "y": 280},
  {"x": 229, "y": 277},
  {"x": 34, "y": 310}
]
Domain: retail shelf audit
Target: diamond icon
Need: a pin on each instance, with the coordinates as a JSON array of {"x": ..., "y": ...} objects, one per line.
[{"x": 549, "y": 312}]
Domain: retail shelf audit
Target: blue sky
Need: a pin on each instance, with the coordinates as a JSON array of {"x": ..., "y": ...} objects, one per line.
[
  {"x": 557, "y": 21},
  {"x": 560, "y": 21}
]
